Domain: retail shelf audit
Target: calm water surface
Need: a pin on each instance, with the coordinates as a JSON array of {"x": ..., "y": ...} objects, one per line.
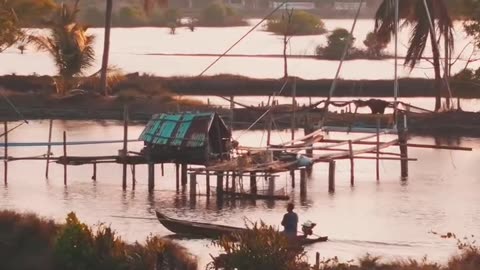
[
  {"x": 389, "y": 218},
  {"x": 131, "y": 49}
]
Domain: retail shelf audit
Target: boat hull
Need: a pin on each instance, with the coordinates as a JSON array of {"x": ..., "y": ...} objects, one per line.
[{"x": 212, "y": 231}]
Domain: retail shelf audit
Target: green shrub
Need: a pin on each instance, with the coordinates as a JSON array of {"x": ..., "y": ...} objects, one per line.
[
  {"x": 374, "y": 45},
  {"x": 74, "y": 247},
  {"x": 130, "y": 17},
  {"x": 259, "y": 247},
  {"x": 336, "y": 43},
  {"x": 301, "y": 23},
  {"x": 217, "y": 14}
]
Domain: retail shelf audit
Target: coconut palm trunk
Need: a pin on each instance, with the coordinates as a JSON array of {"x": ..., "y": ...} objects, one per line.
[
  {"x": 438, "y": 84},
  {"x": 106, "y": 48}
]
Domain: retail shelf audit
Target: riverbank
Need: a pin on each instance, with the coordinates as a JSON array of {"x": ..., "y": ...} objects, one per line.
[
  {"x": 96, "y": 107},
  {"x": 233, "y": 85},
  {"x": 32, "y": 97}
]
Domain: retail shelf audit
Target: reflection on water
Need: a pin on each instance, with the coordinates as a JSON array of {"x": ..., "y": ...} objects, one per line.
[{"x": 389, "y": 218}]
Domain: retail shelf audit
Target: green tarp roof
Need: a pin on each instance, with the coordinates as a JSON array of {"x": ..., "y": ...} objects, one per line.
[{"x": 184, "y": 129}]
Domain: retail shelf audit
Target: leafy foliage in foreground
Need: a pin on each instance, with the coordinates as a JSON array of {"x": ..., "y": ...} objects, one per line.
[
  {"x": 28, "y": 242},
  {"x": 259, "y": 247}
]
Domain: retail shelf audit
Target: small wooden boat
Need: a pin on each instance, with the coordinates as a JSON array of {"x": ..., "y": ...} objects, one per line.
[{"x": 215, "y": 231}]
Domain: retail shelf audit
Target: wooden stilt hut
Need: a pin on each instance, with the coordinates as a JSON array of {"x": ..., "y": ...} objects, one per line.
[{"x": 186, "y": 138}]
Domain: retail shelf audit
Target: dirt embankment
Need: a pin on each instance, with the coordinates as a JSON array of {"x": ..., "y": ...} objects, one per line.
[
  {"x": 228, "y": 85},
  {"x": 34, "y": 98}
]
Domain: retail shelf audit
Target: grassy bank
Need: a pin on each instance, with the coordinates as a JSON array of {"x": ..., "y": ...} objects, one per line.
[
  {"x": 228, "y": 85},
  {"x": 28, "y": 242}
]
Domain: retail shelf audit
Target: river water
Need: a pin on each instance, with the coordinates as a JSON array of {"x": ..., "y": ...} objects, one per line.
[
  {"x": 132, "y": 49},
  {"x": 391, "y": 218}
]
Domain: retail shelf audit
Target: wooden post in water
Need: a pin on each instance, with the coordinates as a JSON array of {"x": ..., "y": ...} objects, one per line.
[
  {"x": 49, "y": 147},
  {"x": 352, "y": 164},
  {"x": 292, "y": 176},
  {"x": 303, "y": 182},
  {"x": 402, "y": 142},
  {"x": 378, "y": 149},
  {"x": 234, "y": 181},
  {"x": 134, "y": 177},
  {"x": 65, "y": 158},
  {"x": 193, "y": 186},
  {"x": 219, "y": 184},
  {"x": 177, "y": 176},
  {"x": 151, "y": 176},
  {"x": 331, "y": 176},
  {"x": 5, "y": 148},
  {"x": 208, "y": 183},
  {"x": 271, "y": 185},
  {"x": 162, "y": 167},
  {"x": 317, "y": 261},
  {"x": 294, "y": 107},
  {"x": 253, "y": 183},
  {"x": 227, "y": 181},
  {"x": 125, "y": 145},
  {"x": 94, "y": 176},
  {"x": 184, "y": 174}
]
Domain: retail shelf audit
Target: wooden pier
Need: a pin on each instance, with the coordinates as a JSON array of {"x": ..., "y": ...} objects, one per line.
[{"x": 249, "y": 163}]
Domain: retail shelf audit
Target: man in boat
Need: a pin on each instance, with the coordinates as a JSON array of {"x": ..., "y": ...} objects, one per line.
[{"x": 290, "y": 221}]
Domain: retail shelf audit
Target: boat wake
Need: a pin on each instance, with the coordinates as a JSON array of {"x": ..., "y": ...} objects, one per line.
[{"x": 367, "y": 243}]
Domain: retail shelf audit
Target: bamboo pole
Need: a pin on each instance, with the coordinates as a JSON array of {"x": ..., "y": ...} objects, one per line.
[
  {"x": 177, "y": 176},
  {"x": 208, "y": 183},
  {"x": 352, "y": 164},
  {"x": 94, "y": 176},
  {"x": 415, "y": 145},
  {"x": 125, "y": 146},
  {"x": 294, "y": 107},
  {"x": 232, "y": 108},
  {"x": 184, "y": 174},
  {"x": 65, "y": 158},
  {"x": 253, "y": 183},
  {"x": 219, "y": 184},
  {"x": 331, "y": 176},
  {"x": 292, "y": 175},
  {"x": 134, "y": 177},
  {"x": 303, "y": 182},
  {"x": 49, "y": 147},
  {"x": 402, "y": 139},
  {"x": 193, "y": 186},
  {"x": 5, "y": 161},
  {"x": 269, "y": 127},
  {"x": 151, "y": 176},
  {"x": 378, "y": 149}
]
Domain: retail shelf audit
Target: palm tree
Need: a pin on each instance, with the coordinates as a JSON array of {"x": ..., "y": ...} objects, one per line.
[
  {"x": 69, "y": 45},
  {"x": 106, "y": 48},
  {"x": 147, "y": 5},
  {"x": 414, "y": 13}
]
